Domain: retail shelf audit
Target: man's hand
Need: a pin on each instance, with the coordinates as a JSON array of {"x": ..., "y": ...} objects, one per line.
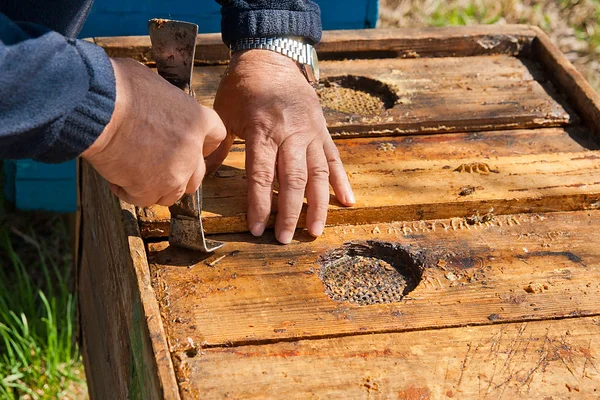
[
  {"x": 265, "y": 99},
  {"x": 152, "y": 151}
]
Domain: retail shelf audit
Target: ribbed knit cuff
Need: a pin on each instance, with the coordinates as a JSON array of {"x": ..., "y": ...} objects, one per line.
[
  {"x": 238, "y": 24},
  {"x": 86, "y": 122}
]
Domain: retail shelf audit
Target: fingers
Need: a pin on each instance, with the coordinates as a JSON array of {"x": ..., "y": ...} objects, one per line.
[
  {"x": 171, "y": 197},
  {"x": 317, "y": 189},
  {"x": 196, "y": 178},
  {"x": 293, "y": 178},
  {"x": 215, "y": 132},
  {"x": 165, "y": 199},
  {"x": 337, "y": 174},
  {"x": 214, "y": 160},
  {"x": 122, "y": 194},
  {"x": 261, "y": 157},
  {"x": 299, "y": 173}
]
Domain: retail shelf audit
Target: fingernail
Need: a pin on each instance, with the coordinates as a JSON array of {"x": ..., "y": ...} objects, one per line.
[
  {"x": 257, "y": 229},
  {"x": 316, "y": 229},
  {"x": 285, "y": 237},
  {"x": 351, "y": 199}
]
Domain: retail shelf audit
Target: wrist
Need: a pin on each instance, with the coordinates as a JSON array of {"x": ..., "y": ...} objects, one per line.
[
  {"x": 114, "y": 125},
  {"x": 294, "y": 48},
  {"x": 259, "y": 57}
]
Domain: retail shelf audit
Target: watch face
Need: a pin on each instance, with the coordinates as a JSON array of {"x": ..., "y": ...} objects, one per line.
[{"x": 315, "y": 64}]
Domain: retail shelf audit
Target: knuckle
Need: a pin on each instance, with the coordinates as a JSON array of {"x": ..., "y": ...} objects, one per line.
[
  {"x": 290, "y": 219},
  {"x": 191, "y": 187},
  {"x": 320, "y": 208},
  {"x": 176, "y": 184},
  {"x": 261, "y": 178},
  {"x": 178, "y": 193},
  {"x": 260, "y": 212},
  {"x": 295, "y": 180},
  {"x": 139, "y": 193},
  {"x": 333, "y": 157},
  {"x": 319, "y": 172},
  {"x": 145, "y": 201}
]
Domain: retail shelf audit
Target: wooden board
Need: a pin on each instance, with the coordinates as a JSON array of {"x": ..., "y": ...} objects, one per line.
[
  {"x": 451, "y": 94},
  {"x": 417, "y": 178},
  {"x": 530, "y": 360},
  {"x": 507, "y": 305},
  {"x": 123, "y": 342},
  {"x": 475, "y": 274},
  {"x": 568, "y": 80},
  {"x": 390, "y": 43}
]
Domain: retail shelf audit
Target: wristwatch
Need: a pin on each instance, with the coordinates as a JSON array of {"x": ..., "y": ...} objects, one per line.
[{"x": 303, "y": 53}]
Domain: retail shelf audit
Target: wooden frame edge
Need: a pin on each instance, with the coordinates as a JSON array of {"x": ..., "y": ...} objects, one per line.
[
  {"x": 390, "y": 42},
  {"x": 149, "y": 303},
  {"x": 568, "y": 80},
  {"x": 124, "y": 344}
]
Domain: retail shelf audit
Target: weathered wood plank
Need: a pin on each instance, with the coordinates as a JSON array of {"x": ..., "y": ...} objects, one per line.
[
  {"x": 534, "y": 360},
  {"x": 416, "y": 178},
  {"x": 565, "y": 76},
  {"x": 124, "y": 345},
  {"x": 425, "y": 95},
  {"x": 424, "y": 42},
  {"x": 506, "y": 269}
]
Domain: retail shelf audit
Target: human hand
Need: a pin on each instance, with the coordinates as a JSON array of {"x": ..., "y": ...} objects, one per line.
[
  {"x": 265, "y": 99},
  {"x": 152, "y": 151}
]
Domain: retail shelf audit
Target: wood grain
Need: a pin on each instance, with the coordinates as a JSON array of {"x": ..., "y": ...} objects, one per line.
[
  {"x": 531, "y": 360},
  {"x": 424, "y": 42},
  {"x": 415, "y": 177},
  {"x": 429, "y": 95},
  {"x": 484, "y": 123},
  {"x": 123, "y": 341},
  {"x": 254, "y": 291}
]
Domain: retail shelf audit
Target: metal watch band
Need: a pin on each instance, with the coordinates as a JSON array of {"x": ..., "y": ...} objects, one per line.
[{"x": 298, "y": 51}]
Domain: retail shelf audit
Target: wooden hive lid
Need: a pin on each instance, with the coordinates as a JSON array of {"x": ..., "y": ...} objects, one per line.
[{"x": 477, "y": 157}]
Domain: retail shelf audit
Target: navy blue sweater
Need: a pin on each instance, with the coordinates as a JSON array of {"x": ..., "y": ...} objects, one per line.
[{"x": 57, "y": 93}]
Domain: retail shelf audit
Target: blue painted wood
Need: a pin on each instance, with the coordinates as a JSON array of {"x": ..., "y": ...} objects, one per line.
[
  {"x": 9, "y": 180},
  {"x": 43, "y": 194},
  {"x": 129, "y": 17},
  {"x": 31, "y": 185},
  {"x": 28, "y": 169}
]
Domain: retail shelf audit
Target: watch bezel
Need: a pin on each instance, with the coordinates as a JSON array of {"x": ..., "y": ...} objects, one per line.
[{"x": 314, "y": 64}]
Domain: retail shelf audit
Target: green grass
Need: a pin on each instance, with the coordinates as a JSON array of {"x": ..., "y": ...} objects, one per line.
[
  {"x": 38, "y": 356},
  {"x": 467, "y": 15}
]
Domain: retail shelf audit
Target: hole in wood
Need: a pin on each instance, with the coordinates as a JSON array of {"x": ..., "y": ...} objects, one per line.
[
  {"x": 356, "y": 95},
  {"x": 370, "y": 272}
]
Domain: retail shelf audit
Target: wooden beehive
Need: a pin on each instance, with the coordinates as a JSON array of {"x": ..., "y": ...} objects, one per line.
[{"x": 469, "y": 268}]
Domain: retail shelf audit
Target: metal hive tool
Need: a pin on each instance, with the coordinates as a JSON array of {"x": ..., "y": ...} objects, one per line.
[{"x": 173, "y": 46}]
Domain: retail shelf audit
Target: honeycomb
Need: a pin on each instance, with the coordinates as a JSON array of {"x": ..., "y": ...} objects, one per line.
[
  {"x": 350, "y": 101},
  {"x": 356, "y": 95},
  {"x": 369, "y": 272}
]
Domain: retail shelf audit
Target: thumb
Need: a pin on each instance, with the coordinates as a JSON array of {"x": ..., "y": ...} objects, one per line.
[
  {"x": 214, "y": 130},
  {"x": 215, "y": 159}
]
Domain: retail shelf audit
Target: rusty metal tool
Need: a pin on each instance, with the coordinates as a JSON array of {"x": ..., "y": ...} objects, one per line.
[{"x": 173, "y": 46}]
